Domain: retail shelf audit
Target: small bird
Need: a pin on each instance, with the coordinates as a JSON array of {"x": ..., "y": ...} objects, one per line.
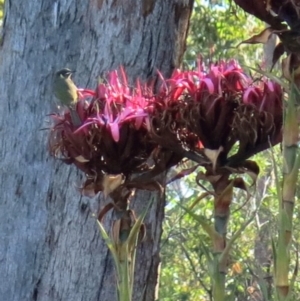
[{"x": 66, "y": 92}]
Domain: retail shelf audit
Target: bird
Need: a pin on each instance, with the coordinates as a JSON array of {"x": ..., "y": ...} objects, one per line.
[
  {"x": 66, "y": 92},
  {"x": 64, "y": 88}
]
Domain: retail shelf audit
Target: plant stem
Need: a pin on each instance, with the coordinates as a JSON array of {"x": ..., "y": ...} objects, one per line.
[{"x": 286, "y": 204}]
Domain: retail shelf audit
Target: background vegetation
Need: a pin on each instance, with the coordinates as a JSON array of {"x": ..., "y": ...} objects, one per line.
[{"x": 216, "y": 28}]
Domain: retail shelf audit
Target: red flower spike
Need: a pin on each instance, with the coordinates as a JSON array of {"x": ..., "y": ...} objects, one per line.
[
  {"x": 113, "y": 136},
  {"x": 211, "y": 105},
  {"x": 194, "y": 113},
  {"x": 83, "y": 93},
  {"x": 252, "y": 95}
]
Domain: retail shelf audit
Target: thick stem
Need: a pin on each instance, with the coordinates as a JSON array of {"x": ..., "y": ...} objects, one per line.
[
  {"x": 223, "y": 190},
  {"x": 286, "y": 208},
  {"x": 125, "y": 292},
  {"x": 218, "y": 290}
]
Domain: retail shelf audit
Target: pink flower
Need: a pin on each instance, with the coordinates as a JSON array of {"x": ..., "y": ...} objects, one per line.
[{"x": 195, "y": 114}]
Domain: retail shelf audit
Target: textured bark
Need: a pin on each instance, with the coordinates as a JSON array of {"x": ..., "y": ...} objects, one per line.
[{"x": 50, "y": 246}]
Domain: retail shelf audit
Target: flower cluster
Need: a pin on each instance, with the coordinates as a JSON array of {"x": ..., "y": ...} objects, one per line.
[
  {"x": 219, "y": 108},
  {"x": 113, "y": 137},
  {"x": 138, "y": 134}
]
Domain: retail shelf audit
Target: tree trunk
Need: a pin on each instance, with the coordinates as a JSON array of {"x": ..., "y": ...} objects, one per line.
[{"x": 50, "y": 245}]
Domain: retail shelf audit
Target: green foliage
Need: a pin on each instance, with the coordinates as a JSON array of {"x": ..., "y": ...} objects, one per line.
[
  {"x": 186, "y": 248},
  {"x": 217, "y": 28},
  {"x": 123, "y": 250}
]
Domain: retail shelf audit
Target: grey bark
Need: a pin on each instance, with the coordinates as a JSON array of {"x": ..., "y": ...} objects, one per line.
[{"x": 50, "y": 246}]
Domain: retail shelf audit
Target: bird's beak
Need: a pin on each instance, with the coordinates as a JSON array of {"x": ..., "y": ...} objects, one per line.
[{"x": 71, "y": 73}]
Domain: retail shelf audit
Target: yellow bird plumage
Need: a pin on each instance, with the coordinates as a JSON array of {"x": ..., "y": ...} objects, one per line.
[
  {"x": 64, "y": 88},
  {"x": 66, "y": 92}
]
